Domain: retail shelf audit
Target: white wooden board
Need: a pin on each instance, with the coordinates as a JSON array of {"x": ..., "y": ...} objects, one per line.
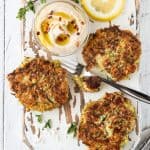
[{"x": 145, "y": 62}]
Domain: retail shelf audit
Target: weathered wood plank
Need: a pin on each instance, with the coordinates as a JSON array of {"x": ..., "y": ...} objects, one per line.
[
  {"x": 145, "y": 62},
  {"x": 13, "y": 56}
]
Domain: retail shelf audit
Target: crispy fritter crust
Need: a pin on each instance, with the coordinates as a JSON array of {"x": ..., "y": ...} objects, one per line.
[
  {"x": 106, "y": 123},
  {"x": 117, "y": 50},
  {"x": 40, "y": 84}
]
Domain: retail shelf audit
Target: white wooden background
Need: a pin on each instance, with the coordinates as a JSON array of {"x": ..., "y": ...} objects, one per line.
[{"x": 10, "y": 57}]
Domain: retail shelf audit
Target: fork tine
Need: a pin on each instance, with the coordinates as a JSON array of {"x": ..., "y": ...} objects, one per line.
[
  {"x": 70, "y": 70},
  {"x": 71, "y": 62},
  {"x": 72, "y": 66},
  {"x": 69, "y": 66},
  {"x": 79, "y": 69}
]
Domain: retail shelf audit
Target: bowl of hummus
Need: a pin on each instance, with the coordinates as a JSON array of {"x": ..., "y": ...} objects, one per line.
[{"x": 61, "y": 27}]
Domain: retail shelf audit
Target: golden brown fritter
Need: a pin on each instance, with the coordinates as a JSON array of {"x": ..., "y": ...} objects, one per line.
[
  {"x": 114, "y": 51},
  {"x": 40, "y": 84},
  {"x": 106, "y": 123}
]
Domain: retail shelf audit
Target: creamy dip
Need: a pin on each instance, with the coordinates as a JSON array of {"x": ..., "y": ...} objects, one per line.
[{"x": 61, "y": 27}]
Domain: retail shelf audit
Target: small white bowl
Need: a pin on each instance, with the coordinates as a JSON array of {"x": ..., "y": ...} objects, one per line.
[{"x": 73, "y": 8}]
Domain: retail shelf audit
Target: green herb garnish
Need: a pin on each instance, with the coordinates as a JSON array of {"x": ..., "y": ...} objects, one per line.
[
  {"x": 72, "y": 129},
  {"x": 77, "y": 1},
  {"x": 30, "y": 6},
  {"x": 39, "y": 118},
  {"x": 22, "y": 11},
  {"x": 102, "y": 118},
  {"x": 43, "y": 1},
  {"x": 48, "y": 124},
  {"x": 108, "y": 78}
]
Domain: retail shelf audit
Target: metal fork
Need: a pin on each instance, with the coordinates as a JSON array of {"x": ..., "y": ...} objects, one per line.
[
  {"x": 74, "y": 67},
  {"x": 144, "y": 142}
]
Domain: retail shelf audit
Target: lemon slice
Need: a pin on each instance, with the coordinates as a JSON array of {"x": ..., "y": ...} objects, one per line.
[{"x": 103, "y": 10}]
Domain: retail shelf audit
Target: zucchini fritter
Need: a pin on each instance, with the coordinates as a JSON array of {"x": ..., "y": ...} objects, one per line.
[
  {"x": 40, "y": 84},
  {"x": 106, "y": 123},
  {"x": 115, "y": 52}
]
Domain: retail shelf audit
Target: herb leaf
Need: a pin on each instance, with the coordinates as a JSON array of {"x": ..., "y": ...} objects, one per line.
[
  {"x": 30, "y": 6},
  {"x": 39, "y": 118},
  {"x": 21, "y": 13},
  {"x": 102, "y": 118},
  {"x": 43, "y": 1},
  {"x": 72, "y": 129},
  {"x": 76, "y": 1},
  {"x": 48, "y": 124}
]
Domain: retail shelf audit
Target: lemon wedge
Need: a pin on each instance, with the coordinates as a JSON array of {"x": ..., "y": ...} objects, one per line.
[{"x": 103, "y": 10}]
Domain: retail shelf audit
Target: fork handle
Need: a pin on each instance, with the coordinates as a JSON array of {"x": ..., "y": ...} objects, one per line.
[{"x": 131, "y": 92}]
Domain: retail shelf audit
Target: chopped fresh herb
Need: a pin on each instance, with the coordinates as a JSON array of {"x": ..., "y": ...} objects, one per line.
[
  {"x": 30, "y": 6},
  {"x": 102, "y": 118},
  {"x": 43, "y": 1},
  {"x": 91, "y": 20},
  {"x": 112, "y": 55},
  {"x": 77, "y": 1},
  {"x": 39, "y": 118},
  {"x": 48, "y": 124},
  {"x": 108, "y": 78},
  {"x": 72, "y": 129},
  {"x": 22, "y": 11},
  {"x": 103, "y": 70}
]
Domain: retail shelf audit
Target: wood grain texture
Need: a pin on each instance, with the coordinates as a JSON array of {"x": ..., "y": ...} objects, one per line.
[
  {"x": 13, "y": 56},
  {"x": 145, "y": 62}
]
